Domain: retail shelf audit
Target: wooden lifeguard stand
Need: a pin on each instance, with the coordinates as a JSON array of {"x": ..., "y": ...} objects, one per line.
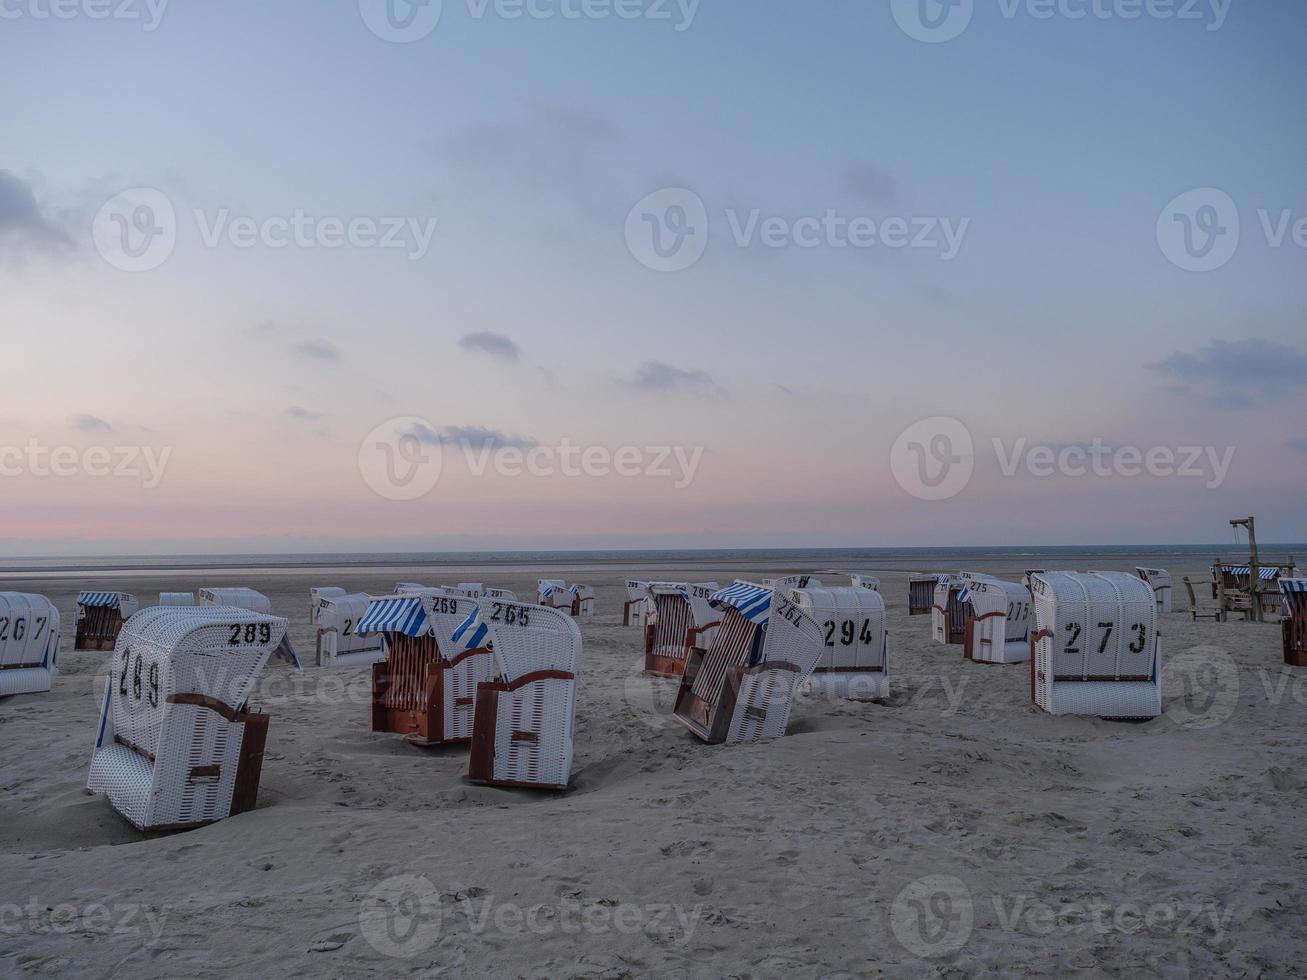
[{"x": 1251, "y": 588}]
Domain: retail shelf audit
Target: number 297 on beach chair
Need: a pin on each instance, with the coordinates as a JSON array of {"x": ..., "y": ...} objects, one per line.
[
  {"x": 177, "y": 745},
  {"x": 742, "y": 688}
]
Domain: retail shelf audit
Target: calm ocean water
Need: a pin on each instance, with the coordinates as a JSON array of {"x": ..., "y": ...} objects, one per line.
[{"x": 925, "y": 559}]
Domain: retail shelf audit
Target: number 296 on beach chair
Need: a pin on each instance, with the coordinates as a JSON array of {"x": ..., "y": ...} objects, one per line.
[
  {"x": 1096, "y": 648},
  {"x": 177, "y": 746},
  {"x": 524, "y": 717},
  {"x": 29, "y": 643},
  {"x": 742, "y": 688}
]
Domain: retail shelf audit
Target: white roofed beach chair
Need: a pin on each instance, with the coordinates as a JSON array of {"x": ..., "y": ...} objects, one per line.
[
  {"x": 1160, "y": 580},
  {"x": 503, "y": 595},
  {"x": 321, "y": 592},
  {"x": 792, "y": 582},
  {"x": 100, "y": 618},
  {"x": 337, "y": 639},
  {"x": 176, "y": 598},
  {"x": 436, "y": 655},
  {"x": 683, "y": 619},
  {"x": 583, "y": 601},
  {"x": 552, "y": 592},
  {"x": 177, "y": 745},
  {"x": 404, "y": 588},
  {"x": 742, "y": 688},
  {"x": 638, "y": 608},
  {"x": 855, "y": 644},
  {"x": 1294, "y": 626},
  {"x": 948, "y": 612},
  {"x": 921, "y": 593},
  {"x": 29, "y": 643},
  {"x": 1097, "y": 650},
  {"x": 241, "y": 597},
  {"x": 998, "y": 627},
  {"x": 525, "y": 716},
  {"x": 473, "y": 590}
]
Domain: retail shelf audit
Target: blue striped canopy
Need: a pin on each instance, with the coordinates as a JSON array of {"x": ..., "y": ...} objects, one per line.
[
  {"x": 92, "y": 600},
  {"x": 1293, "y": 585},
  {"x": 397, "y": 614},
  {"x": 1263, "y": 573},
  {"x": 472, "y": 633},
  {"x": 753, "y": 602}
]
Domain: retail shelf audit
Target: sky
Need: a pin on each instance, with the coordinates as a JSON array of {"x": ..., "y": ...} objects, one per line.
[{"x": 489, "y": 274}]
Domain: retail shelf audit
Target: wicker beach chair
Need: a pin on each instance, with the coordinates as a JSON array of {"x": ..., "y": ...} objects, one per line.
[
  {"x": 240, "y": 597},
  {"x": 638, "y": 609},
  {"x": 552, "y": 592},
  {"x": 921, "y": 593},
  {"x": 855, "y": 644},
  {"x": 1160, "y": 580},
  {"x": 998, "y": 624},
  {"x": 501, "y": 595},
  {"x": 29, "y": 643},
  {"x": 948, "y": 611},
  {"x": 525, "y": 715},
  {"x": 1095, "y": 646},
  {"x": 321, "y": 592},
  {"x": 100, "y": 618},
  {"x": 337, "y": 641},
  {"x": 683, "y": 619},
  {"x": 425, "y": 688},
  {"x": 583, "y": 601},
  {"x": 742, "y": 688},
  {"x": 177, "y": 745},
  {"x": 1294, "y": 625},
  {"x": 785, "y": 582}
]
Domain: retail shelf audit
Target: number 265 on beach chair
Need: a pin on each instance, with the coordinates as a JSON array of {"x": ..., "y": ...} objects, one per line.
[
  {"x": 177, "y": 746},
  {"x": 524, "y": 717},
  {"x": 742, "y": 688}
]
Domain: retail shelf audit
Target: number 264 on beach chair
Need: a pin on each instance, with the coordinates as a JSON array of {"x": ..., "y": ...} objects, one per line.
[
  {"x": 742, "y": 688},
  {"x": 524, "y": 717},
  {"x": 177, "y": 746}
]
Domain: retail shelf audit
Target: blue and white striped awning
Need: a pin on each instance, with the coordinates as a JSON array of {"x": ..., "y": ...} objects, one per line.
[
  {"x": 752, "y": 601},
  {"x": 93, "y": 600},
  {"x": 397, "y": 614},
  {"x": 1293, "y": 585},
  {"x": 1263, "y": 573},
  {"x": 472, "y": 633}
]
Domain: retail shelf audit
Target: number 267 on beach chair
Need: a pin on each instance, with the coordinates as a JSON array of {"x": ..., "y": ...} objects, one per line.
[
  {"x": 29, "y": 643},
  {"x": 524, "y": 717},
  {"x": 742, "y": 688},
  {"x": 176, "y": 745}
]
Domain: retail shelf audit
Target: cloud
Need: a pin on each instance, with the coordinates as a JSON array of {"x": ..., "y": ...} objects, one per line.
[
  {"x": 549, "y": 149},
  {"x": 655, "y": 376},
  {"x": 89, "y": 423},
  {"x": 494, "y": 344},
  {"x": 869, "y": 184},
  {"x": 1238, "y": 374},
  {"x": 296, "y": 412},
  {"x": 22, "y": 219},
  {"x": 1300, "y": 444},
  {"x": 318, "y": 350},
  {"x": 473, "y": 436},
  {"x": 784, "y": 390}
]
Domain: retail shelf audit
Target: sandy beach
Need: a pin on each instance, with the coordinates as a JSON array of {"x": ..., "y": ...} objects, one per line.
[{"x": 950, "y": 830}]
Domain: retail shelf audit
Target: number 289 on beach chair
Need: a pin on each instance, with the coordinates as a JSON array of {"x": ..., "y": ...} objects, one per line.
[
  {"x": 29, "y": 643},
  {"x": 177, "y": 745},
  {"x": 525, "y": 716},
  {"x": 742, "y": 688},
  {"x": 1096, "y": 648}
]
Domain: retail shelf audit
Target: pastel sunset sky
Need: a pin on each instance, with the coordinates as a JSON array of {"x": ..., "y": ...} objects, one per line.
[{"x": 1030, "y": 265}]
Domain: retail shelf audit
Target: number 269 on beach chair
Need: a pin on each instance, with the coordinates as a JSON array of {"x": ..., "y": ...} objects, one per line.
[
  {"x": 177, "y": 746},
  {"x": 742, "y": 688},
  {"x": 524, "y": 717}
]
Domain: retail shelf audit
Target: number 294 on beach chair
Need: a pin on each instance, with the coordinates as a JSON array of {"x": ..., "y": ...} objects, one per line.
[
  {"x": 29, "y": 643},
  {"x": 177, "y": 745},
  {"x": 854, "y": 660},
  {"x": 742, "y": 688},
  {"x": 435, "y": 658},
  {"x": 1096, "y": 648},
  {"x": 525, "y": 716}
]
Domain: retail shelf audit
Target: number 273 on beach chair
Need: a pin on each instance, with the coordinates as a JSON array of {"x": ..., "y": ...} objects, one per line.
[{"x": 742, "y": 688}]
